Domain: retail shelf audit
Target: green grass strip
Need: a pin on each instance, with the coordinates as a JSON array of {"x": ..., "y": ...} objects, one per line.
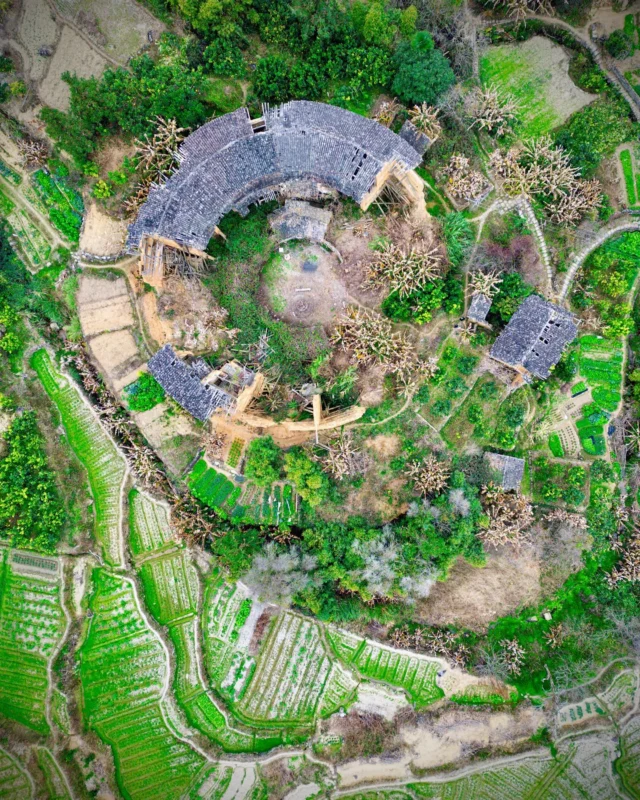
[
  {"x": 627, "y": 170},
  {"x": 104, "y": 465}
]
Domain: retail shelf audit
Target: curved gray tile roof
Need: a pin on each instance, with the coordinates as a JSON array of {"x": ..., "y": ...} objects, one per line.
[
  {"x": 226, "y": 166},
  {"x": 536, "y": 336}
]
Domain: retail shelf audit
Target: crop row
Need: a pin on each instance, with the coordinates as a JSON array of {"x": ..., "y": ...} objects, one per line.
[
  {"x": 31, "y": 625},
  {"x": 104, "y": 465},
  {"x": 221, "y": 608},
  {"x": 9, "y": 174},
  {"x": 30, "y": 240},
  {"x": 170, "y": 586},
  {"x": 64, "y": 205},
  {"x": 14, "y": 781},
  {"x": 150, "y": 529},
  {"x": 171, "y": 590},
  {"x": 251, "y": 503},
  {"x": 55, "y": 782},
  {"x": 123, "y": 703},
  {"x": 629, "y": 763}
]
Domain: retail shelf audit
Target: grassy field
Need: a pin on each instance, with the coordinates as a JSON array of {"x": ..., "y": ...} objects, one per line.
[
  {"x": 124, "y": 705},
  {"x": 104, "y": 464},
  {"x": 626, "y": 162},
  {"x": 31, "y": 625},
  {"x": 487, "y": 394},
  {"x": 14, "y": 782}
]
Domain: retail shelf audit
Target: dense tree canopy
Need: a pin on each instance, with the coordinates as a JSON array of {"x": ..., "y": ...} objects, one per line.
[{"x": 423, "y": 72}]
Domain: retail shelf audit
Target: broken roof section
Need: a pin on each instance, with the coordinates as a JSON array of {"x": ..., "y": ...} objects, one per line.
[
  {"x": 183, "y": 383},
  {"x": 300, "y": 220},
  {"x": 479, "y": 307},
  {"x": 227, "y": 165},
  {"x": 511, "y": 469},
  {"x": 535, "y": 337}
]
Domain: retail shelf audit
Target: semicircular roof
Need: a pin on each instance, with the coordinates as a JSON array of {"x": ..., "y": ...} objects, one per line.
[{"x": 225, "y": 165}]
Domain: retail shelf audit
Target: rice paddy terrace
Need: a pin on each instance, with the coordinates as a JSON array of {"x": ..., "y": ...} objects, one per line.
[{"x": 217, "y": 682}]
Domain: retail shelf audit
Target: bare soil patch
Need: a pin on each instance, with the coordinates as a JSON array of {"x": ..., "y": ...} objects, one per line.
[
  {"x": 37, "y": 29},
  {"x": 102, "y": 235},
  {"x": 172, "y": 434},
  {"x": 119, "y": 28},
  {"x": 473, "y": 597},
  {"x": 103, "y": 305},
  {"x": 118, "y": 357},
  {"x": 308, "y": 290},
  {"x": 73, "y": 55},
  {"x": 386, "y": 446},
  {"x": 111, "y": 156}
]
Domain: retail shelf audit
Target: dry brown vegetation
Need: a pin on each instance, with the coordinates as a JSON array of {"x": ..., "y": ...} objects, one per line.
[
  {"x": 429, "y": 476},
  {"x": 395, "y": 269},
  {"x": 425, "y": 118},
  {"x": 463, "y": 182},
  {"x": 490, "y": 110},
  {"x": 510, "y": 516}
]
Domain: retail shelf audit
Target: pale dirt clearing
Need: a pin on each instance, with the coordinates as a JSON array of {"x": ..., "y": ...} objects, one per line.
[
  {"x": 377, "y": 699},
  {"x": 37, "y": 29},
  {"x": 119, "y": 28},
  {"x": 173, "y": 435},
  {"x": 118, "y": 358},
  {"x": 303, "y": 792},
  {"x": 441, "y": 740},
  {"x": 474, "y": 596},
  {"x": 103, "y": 305},
  {"x": 73, "y": 55},
  {"x": 102, "y": 235}
]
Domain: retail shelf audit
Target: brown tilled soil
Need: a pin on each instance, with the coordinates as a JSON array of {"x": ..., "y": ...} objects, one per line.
[
  {"x": 472, "y": 597},
  {"x": 102, "y": 235}
]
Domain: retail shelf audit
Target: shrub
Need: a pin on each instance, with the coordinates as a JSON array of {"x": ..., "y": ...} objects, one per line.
[
  {"x": 310, "y": 481},
  {"x": 423, "y": 72},
  {"x": 145, "y": 393},
  {"x": 466, "y": 364},
  {"x": 223, "y": 57},
  {"x": 441, "y": 408},
  {"x": 619, "y": 45},
  {"x": 264, "y": 461},
  {"x": 475, "y": 413}
]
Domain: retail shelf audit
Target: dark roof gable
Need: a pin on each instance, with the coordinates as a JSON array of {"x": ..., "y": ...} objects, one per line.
[
  {"x": 536, "y": 336},
  {"x": 182, "y": 382}
]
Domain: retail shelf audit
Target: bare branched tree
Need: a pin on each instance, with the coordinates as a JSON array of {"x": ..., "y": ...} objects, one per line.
[
  {"x": 387, "y": 112},
  {"x": 510, "y": 516},
  {"x": 513, "y": 655},
  {"x": 403, "y": 271},
  {"x": 369, "y": 339},
  {"x": 425, "y": 118},
  {"x": 279, "y": 576},
  {"x": 491, "y": 110},
  {"x": 561, "y": 515},
  {"x": 342, "y": 459},
  {"x": 628, "y": 567},
  {"x": 429, "y": 476},
  {"x": 486, "y": 283},
  {"x": 520, "y": 9},
  {"x": 463, "y": 182},
  {"x": 33, "y": 153}
]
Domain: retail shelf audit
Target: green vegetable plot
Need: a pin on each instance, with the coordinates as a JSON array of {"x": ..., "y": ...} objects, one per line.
[
  {"x": 32, "y": 623},
  {"x": 104, "y": 464},
  {"x": 64, "y": 205}
]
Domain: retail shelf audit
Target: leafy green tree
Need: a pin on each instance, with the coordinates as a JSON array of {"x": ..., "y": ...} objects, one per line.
[
  {"x": 442, "y": 408},
  {"x": 475, "y": 413},
  {"x": 423, "y": 72},
  {"x": 377, "y": 28},
  {"x": 125, "y": 102},
  {"x": 216, "y": 17},
  {"x": 551, "y": 492},
  {"x": 310, "y": 481},
  {"x": 31, "y": 511},
  {"x": 576, "y": 476},
  {"x": 619, "y": 45},
  {"x": 511, "y": 293},
  {"x": 594, "y": 132},
  {"x": 145, "y": 393},
  {"x": 223, "y": 57},
  {"x": 514, "y": 415},
  {"x": 264, "y": 461}
]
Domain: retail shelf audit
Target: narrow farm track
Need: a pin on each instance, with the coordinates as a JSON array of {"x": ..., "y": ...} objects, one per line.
[{"x": 623, "y": 225}]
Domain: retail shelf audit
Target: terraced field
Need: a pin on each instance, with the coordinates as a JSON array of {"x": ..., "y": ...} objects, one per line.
[
  {"x": 578, "y": 772},
  {"x": 293, "y": 680},
  {"x": 32, "y": 623},
  {"x": 628, "y": 766},
  {"x": 56, "y": 785},
  {"x": 103, "y": 462},
  {"x": 171, "y": 588},
  {"x": 14, "y": 781},
  {"x": 124, "y": 705},
  {"x": 414, "y": 673}
]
